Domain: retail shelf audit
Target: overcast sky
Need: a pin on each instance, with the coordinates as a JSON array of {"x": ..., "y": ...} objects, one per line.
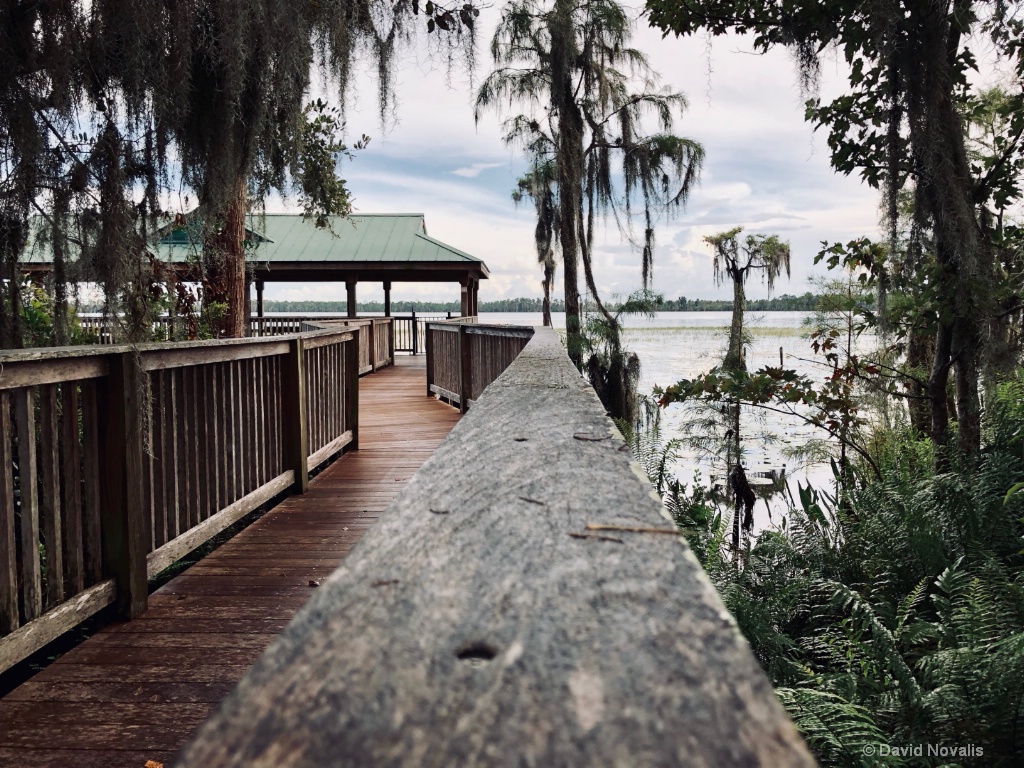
[{"x": 765, "y": 170}]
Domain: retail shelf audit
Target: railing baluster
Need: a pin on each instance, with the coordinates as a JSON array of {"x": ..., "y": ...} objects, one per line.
[
  {"x": 158, "y": 448},
  {"x": 170, "y": 456},
  {"x": 181, "y": 406},
  {"x": 231, "y": 403},
  {"x": 293, "y": 385},
  {"x": 91, "y": 537},
  {"x": 50, "y": 497},
  {"x": 28, "y": 488},
  {"x": 71, "y": 507},
  {"x": 8, "y": 541},
  {"x": 250, "y": 420}
]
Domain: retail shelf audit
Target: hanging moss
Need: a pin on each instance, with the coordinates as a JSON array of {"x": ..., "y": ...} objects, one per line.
[{"x": 108, "y": 107}]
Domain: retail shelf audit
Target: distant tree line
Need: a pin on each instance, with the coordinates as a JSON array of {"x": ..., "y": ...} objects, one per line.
[
  {"x": 402, "y": 307},
  {"x": 808, "y": 302}
]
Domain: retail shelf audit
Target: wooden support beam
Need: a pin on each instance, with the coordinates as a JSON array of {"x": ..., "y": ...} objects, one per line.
[
  {"x": 122, "y": 402},
  {"x": 464, "y": 312},
  {"x": 387, "y": 298},
  {"x": 293, "y": 400},
  {"x": 352, "y": 390},
  {"x": 429, "y": 344},
  {"x": 259, "y": 298},
  {"x": 465, "y": 369},
  {"x": 350, "y": 298}
]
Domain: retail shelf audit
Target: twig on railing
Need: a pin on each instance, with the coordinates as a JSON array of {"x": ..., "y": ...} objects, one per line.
[
  {"x": 594, "y": 536},
  {"x": 629, "y": 528}
]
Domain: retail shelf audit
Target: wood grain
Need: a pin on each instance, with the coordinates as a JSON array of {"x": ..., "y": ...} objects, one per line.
[{"x": 468, "y": 629}]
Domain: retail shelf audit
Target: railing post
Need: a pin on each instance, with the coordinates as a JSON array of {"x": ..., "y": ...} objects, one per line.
[
  {"x": 372, "y": 330},
  {"x": 429, "y": 343},
  {"x": 391, "y": 341},
  {"x": 415, "y": 333},
  {"x": 122, "y": 428},
  {"x": 465, "y": 369},
  {"x": 296, "y": 438},
  {"x": 352, "y": 390}
]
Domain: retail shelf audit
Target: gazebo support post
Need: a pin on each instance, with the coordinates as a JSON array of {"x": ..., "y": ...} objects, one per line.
[
  {"x": 387, "y": 298},
  {"x": 350, "y": 299},
  {"x": 247, "y": 309},
  {"x": 465, "y": 298},
  {"x": 259, "y": 299}
]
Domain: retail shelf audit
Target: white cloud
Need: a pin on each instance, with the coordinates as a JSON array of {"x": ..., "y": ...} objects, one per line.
[
  {"x": 474, "y": 170},
  {"x": 765, "y": 170}
]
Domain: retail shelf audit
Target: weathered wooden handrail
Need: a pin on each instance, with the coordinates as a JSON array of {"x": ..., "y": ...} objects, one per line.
[
  {"x": 481, "y": 621},
  {"x": 120, "y": 460},
  {"x": 464, "y": 356}
]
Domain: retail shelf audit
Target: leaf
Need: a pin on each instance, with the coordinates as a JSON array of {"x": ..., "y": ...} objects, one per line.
[{"x": 1012, "y": 492}]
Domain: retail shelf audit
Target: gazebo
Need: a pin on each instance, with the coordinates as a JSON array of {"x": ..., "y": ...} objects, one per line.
[{"x": 383, "y": 248}]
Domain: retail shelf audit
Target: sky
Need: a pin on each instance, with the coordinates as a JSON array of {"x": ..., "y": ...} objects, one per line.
[{"x": 765, "y": 170}]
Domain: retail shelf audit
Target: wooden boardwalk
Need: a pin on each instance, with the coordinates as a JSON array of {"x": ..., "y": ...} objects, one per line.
[{"x": 137, "y": 690}]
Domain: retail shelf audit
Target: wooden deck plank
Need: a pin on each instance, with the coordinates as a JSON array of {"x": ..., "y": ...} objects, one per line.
[{"x": 136, "y": 690}]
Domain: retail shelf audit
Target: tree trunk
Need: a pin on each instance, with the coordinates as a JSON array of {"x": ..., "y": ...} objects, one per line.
[
  {"x": 549, "y": 279},
  {"x": 735, "y": 359},
  {"x": 937, "y": 394},
  {"x": 735, "y": 453},
  {"x": 12, "y": 240},
  {"x": 234, "y": 263},
  {"x": 920, "y": 354},
  {"x": 966, "y": 340},
  {"x": 569, "y": 172},
  {"x": 962, "y": 248}
]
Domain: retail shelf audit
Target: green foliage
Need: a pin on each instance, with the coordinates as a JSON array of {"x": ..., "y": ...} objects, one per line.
[
  {"x": 614, "y": 371},
  {"x": 324, "y": 193},
  {"x": 897, "y": 616}
]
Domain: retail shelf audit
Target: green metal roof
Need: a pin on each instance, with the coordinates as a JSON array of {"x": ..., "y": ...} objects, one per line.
[{"x": 363, "y": 238}]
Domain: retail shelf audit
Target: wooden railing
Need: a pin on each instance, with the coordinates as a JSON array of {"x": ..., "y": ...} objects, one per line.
[
  {"x": 465, "y": 356},
  {"x": 106, "y": 332},
  {"x": 526, "y": 600},
  {"x": 117, "y": 461},
  {"x": 411, "y": 330},
  {"x": 376, "y": 338},
  {"x": 279, "y": 325}
]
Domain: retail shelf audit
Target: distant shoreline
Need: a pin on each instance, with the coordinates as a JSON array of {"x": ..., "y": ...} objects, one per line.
[{"x": 786, "y": 303}]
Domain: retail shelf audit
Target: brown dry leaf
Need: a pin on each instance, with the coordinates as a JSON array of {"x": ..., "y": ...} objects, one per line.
[
  {"x": 314, "y": 583},
  {"x": 153, "y": 764}
]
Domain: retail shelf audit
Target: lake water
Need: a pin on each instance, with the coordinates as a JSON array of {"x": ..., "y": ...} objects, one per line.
[{"x": 675, "y": 345}]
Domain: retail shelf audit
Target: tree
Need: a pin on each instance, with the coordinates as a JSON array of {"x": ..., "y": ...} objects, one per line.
[
  {"x": 765, "y": 254},
  {"x": 569, "y": 63},
  {"x": 902, "y": 122},
  {"x": 734, "y": 261},
  {"x": 106, "y": 105},
  {"x": 539, "y": 185}
]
